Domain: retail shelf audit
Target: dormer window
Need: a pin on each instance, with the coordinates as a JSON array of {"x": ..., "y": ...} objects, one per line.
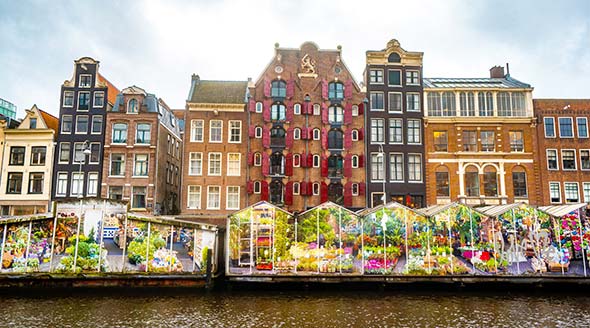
[
  {"x": 132, "y": 106},
  {"x": 394, "y": 58},
  {"x": 278, "y": 89}
]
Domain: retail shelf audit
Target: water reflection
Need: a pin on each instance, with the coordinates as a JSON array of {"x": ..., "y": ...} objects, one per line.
[{"x": 296, "y": 309}]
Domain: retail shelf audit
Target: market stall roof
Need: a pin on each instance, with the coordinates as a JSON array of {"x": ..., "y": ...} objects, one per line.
[
  {"x": 262, "y": 203},
  {"x": 561, "y": 210},
  {"x": 372, "y": 210},
  {"x": 435, "y": 209},
  {"x": 25, "y": 218},
  {"x": 327, "y": 205},
  {"x": 497, "y": 210},
  {"x": 170, "y": 220}
]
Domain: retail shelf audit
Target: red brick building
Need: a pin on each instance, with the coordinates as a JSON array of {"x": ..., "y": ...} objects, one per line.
[
  {"x": 142, "y": 153},
  {"x": 563, "y": 155},
  {"x": 306, "y": 131}
]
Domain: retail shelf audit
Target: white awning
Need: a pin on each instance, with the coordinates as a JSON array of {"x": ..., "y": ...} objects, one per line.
[
  {"x": 561, "y": 210},
  {"x": 497, "y": 210},
  {"x": 435, "y": 209}
]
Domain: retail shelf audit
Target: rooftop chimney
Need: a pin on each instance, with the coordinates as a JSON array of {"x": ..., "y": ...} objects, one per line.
[
  {"x": 196, "y": 77},
  {"x": 497, "y": 72}
]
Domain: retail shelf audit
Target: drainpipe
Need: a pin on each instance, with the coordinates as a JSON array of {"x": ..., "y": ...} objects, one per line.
[
  {"x": 155, "y": 201},
  {"x": 248, "y": 96}
]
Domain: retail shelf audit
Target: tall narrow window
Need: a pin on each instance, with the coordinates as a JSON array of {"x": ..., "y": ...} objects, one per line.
[
  {"x": 235, "y": 131},
  {"x": 195, "y": 164},
  {"x": 62, "y": 184},
  {"x": 395, "y": 102},
  {"x": 119, "y": 133},
  {"x": 377, "y": 101},
  {"x": 568, "y": 159},
  {"x": 396, "y": 133},
  {"x": 66, "y": 124},
  {"x": 584, "y": 159},
  {"x": 377, "y": 167},
  {"x": 132, "y": 106},
  {"x": 377, "y": 133},
  {"x": 555, "y": 192},
  {"x": 17, "y": 156},
  {"x": 487, "y": 141},
  {"x": 278, "y": 89},
  {"x": 277, "y": 164},
  {"x": 117, "y": 165},
  {"x": 194, "y": 197},
  {"x": 469, "y": 141},
  {"x": 518, "y": 104},
  {"x": 277, "y": 137},
  {"x": 566, "y": 129},
  {"x": 276, "y": 192},
  {"x": 414, "y": 167},
  {"x": 414, "y": 131},
  {"x": 335, "y": 139},
  {"x": 138, "y": 197},
  {"x": 233, "y": 164},
  {"x": 215, "y": 131},
  {"x": 96, "y": 124},
  {"x": 335, "y": 165},
  {"x": 32, "y": 123},
  {"x": 143, "y": 133},
  {"x": 552, "y": 162},
  {"x": 441, "y": 141},
  {"x": 504, "y": 104},
  {"x": 448, "y": 104},
  {"x": 442, "y": 182},
  {"x": 83, "y": 100},
  {"x": 68, "y": 98},
  {"x": 582, "y": 123},
  {"x": 516, "y": 141},
  {"x": 335, "y": 91},
  {"x": 519, "y": 184},
  {"x": 214, "y": 164},
  {"x": 98, "y": 99},
  {"x": 396, "y": 167},
  {"x": 77, "y": 184},
  {"x": 490, "y": 182},
  {"x": 467, "y": 102},
  {"x": 335, "y": 115},
  {"x": 413, "y": 102},
  {"x": 472, "y": 182},
  {"x": 549, "y": 127},
  {"x": 141, "y": 165},
  {"x": 95, "y": 153},
  {"x": 434, "y": 107},
  {"x": 485, "y": 103},
  {"x": 64, "y": 152},
  {"x": 197, "y": 130},
  {"x": 278, "y": 112},
  {"x": 92, "y": 184},
  {"x": 233, "y": 198}
]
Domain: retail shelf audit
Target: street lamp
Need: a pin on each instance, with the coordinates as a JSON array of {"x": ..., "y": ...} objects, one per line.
[
  {"x": 381, "y": 155},
  {"x": 85, "y": 152}
]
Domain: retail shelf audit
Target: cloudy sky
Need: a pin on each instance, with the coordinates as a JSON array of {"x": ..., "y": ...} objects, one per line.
[{"x": 158, "y": 44}]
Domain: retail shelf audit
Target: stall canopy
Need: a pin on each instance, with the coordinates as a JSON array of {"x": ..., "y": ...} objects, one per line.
[
  {"x": 498, "y": 210},
  {"x": 436, "y": 209},
  {"x": 561, "y": 210}
]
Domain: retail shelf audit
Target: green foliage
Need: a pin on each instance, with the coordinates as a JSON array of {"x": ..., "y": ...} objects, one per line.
[
  {"x": 137, "y": 248},
  {"x": 308, "y": 227}
]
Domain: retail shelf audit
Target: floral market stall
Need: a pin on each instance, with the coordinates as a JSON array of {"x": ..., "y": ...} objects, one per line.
[
  {"x": 328, "y": 239},
  {"x": 520, "y": 236},
  {"x": 386, "y": 244},
  {"x": 26, "y": 243},
  {"x": 261, "y": 240},
  {"x": 571, "y": 236}
]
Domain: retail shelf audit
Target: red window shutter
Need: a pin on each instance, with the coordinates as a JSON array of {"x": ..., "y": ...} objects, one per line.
[
  {"x": 324, "y": 166},
  {"x": 361, "y": 133},
  {"x": 325, "y": 89},
  {"x": 252, "y": 131},
  {"x": 265, "y": 164},
  {"x": 348, "y": 89},
  {"x": 250, "y": 158},
  {"x": 361, "y": 108},
  {"x": 290, "y": 88},
  {"x": 348, "y": 139},
  {"x": 348, "y": 165},
  {"x": 264, "y": 190},
  {"x": 348, "y": 194},
  {"x": 309, "y": 160},
  {"x": 325, "y": 138},
  {"x": 348, "y": 114},
  {"x": 325, "y": 119},
  {"x": 289, "y": 165},
  {"x": 303, "y": 160},
  {"x": 323, "y": 192},
  {"x": 303, "y": 134},
  {"x": 361, "y": 188},
  {"x": 289, "y": 116},
  {"x": 289, "y": 138},
  {"x": 289, "y": 193},
  {"x": 303, "y": 188},
  {"x": 361, "y": 160},
  {"x": 250, "y": 187},
  {"x": 304, "y": 108},
  {"x": 266, "y": 88},
  {"x": 266, "y": 110},
  {"x": 265, "y": 137},
  {"x": 310, "y": 133},
  {"x": 252, "y": 104},
  {"x": 309, "y": 188}
]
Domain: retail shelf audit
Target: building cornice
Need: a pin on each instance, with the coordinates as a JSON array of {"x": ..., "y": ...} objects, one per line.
[{"x": 210, "y": 107}]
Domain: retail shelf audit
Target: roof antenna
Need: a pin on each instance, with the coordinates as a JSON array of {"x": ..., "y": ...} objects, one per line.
[{"x": 507, "y": 69}]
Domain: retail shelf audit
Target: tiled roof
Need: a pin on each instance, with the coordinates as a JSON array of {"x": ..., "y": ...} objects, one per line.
[
  {"x": 51, "y": 121},
  {"x": 113, "y": 91},
  {"x": 218, "y": 92},
  {"x": 481, "y": 83}
]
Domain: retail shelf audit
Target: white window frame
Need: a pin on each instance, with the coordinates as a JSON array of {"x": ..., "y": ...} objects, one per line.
[
  {"x": 575, "y": 160},
  {"x": 315, "y": 190},
  {"x": 545, "y": 127},
  {"x": 147, "y": 168},
  {"x": 354, "y": 135},
  {"x": 190, "y": 160},
  {"x": 59, "y": 161},
  {"x": 92, "y": 124},
  {"x": 580, "y": 155},
  {"x": 559, "y": 126},
  {"x": 586, "y": 186},
  {"x": 65, "y": 193},
  {"x": 565, "y": 184},
  {"x": 296, "y": 191},
  {"x": 72, "y": 127},
  {"x": 197, "y": 201},
  {"x": 227, "y": 193},
  {"x": 317, "y": 110},
  {"x": 371, "y": 101},
  {"x": 95, "y": 191},
  {"x": 352, "y": 161},
  {"x": 297, "y": 109},
  {"x": 378, "y": 154},
  {"x": 255, "y": 189},
  {"x": 87, "y": 124},
  {"x": 211, "y": 129},
  {"x": 298, "y": 164},
  {"x": 258, "y": 107},
  {"x": 556, "y": 158},
  {"x": 390, "y": 166},
  {"x": 209, "y": 164},
  {"x": 377, "y": 142},
  {"x": 401, "y": 127},
  {"x": 94, "y": 99},
  {"x": 80, "y": 81},
  {"x": 412, "y": 71},
  {"x": 258, "y": 132},
  {"x": 401, "y": 78},
  {"x": 73, "y": 98},
  {"x": 376, "y": 76},
  {"x": 558, "y": 189},
  {"x": 314, "y": 161},
  {"x": 417, "y": 94},
  {"x": 208, "y": 197},
  {"x": 127, "y": 110},
  {"x": 238, "y": 173},
  {"x": 381, "y": 198},
  {"x": 78, "y": 99},
  {"x": 229, "y": 131},
  {"x": 72, "y": 194},
  {"x": 316, "y": 134},
  {"x": 259, "y": 161},
  {"x": 355, "y": 110},
  {"x": 419, "y": 131},
  {"x": 99, "y": 152},
  {"x": 401, "y": 105},
  {"x": 296, "y": 134},
  {"x": 578, "y": 126},
  {"x": 193, "y": 135},
  {"x": 421, "y": 167},
  {"x": 352, "y": 188},
  {"x": 111, "y": 165}
]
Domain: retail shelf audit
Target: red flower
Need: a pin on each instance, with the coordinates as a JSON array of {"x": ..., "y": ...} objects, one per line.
[{"x": 485, "y": 256}]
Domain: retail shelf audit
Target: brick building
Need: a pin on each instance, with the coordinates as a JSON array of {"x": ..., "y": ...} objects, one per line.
[
  {"x": 480, "y": 138},
  {"x": 85, "y": 98},
  {"x": 306, "y": 128},
  {"x": 142, "y": 153},
  {"x": 395, "y": 147},
  {"x": 564, "y": 149},
  {"x": 214, "y": 175}
]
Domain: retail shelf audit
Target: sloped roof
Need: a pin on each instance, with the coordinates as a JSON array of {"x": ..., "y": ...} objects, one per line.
[
  {"x": 328, "y": 204},
  {"x": 481, "y": 83},
  {"x": 113, "y": 91},
  {"x": 217, "y": 92},
  {"x": 369, "y": 210},
  {"x": 51, "y": 121},
  {"x": 435, "y": 209},
  {"x": 561, "y": 210},
  {"x": 265, "y": 204},
  {"x": 497, "y": 210}
]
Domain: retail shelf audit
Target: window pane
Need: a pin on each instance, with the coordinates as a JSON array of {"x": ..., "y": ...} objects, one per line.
[
  {"x": 395, "y": 102},
  {"x": 565, "y": 127},
  {"x": 549, "y": 127},
  {"x": 519, "y": 184},
  {"x": 440, "y": 141},
  {"x": 394, "y": 77},
  {"x": 442, "y": 184}
]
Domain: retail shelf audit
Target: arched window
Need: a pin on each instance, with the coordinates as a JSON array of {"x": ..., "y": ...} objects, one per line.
[
  {"x": 354, "y": 161},
  {"x": 132, "y": 106},
  {"x": 296, "y": 160},
  {"x": 316, "y": 161},
  {"x": 258, "y": 132},
  {"x": 504, "y": 104},
  {"x": 257, "y": 159},
  {"x": 434, "y": 104},
  {"x": 296, "y": 188},
  {"x": 278, "y": 89},
  {"x": 277, "y": 164},
  {"x": 519, "y": 182},
  {"x": 297, "y": 109},
  {"x": 277, "y": 112},
  {"x": 355, "y": 110},
  {"x": 335, "y": 166},
  {"x": 335, "y": 115},
  {"x": 490, "y": 182},
  {"x": 354, "y": 135},
  {"x": 335, "y": 193},
  {"x": 518, "y": 104},
  {"x": 256, "y": 187},
  {"x": 448, "y": 104},
  {"x": 316, "y": 134},
  {"x": 276, "y": 192},
  {"x": 472, "y": 181},
  {"x": 355, "y": 189},
  {"x": 316, "y": 109},
  {"x": 394, "y": 58},
  {"x": 277, "y": 137},
  {"x": 486, "y": 104},
  {"x": 442, "y": 181},
  {"x": 335, "y": 139},
  {"x": 335, "y": 91},
  {"x": 296, "y": 133},
  {"x": 259, "y": 107},
  {"x": 315, "y": 188},
  {"x": 467, "y": 103}
]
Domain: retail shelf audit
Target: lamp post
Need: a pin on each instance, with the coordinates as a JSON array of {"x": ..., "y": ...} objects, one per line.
[
  {"x": 307, "y": 101},
  {"x": 85, "y": 152},
  {"x": 382, "y": 156}
]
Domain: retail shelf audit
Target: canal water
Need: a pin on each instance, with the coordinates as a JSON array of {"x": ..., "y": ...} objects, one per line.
[{"x": 295, "y": 309}]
